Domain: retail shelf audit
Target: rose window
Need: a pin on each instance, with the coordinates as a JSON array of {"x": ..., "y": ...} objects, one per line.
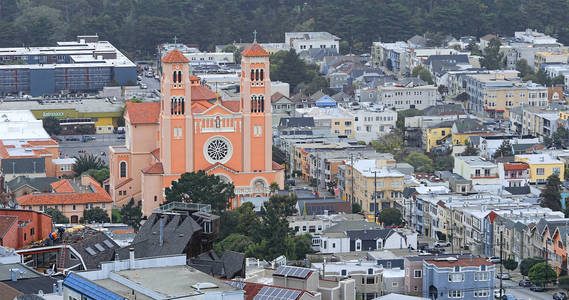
[{"x": 218, "y": 149}]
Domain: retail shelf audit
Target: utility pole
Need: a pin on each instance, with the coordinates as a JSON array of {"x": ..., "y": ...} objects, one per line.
[
  {"x": 501, "y": 244},
  {"x": 375, "y": 196},
  {"x": 352, "y": 166},
  {"x": 451, "y": 231},
  {"x": 546, "y": 260}
]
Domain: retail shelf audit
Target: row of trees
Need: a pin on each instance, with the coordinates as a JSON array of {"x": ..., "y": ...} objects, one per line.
[{"x": 139, "y": 25}]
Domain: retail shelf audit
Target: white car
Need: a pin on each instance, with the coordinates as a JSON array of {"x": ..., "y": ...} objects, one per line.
[
  {"x": 494, "y": 259},
  {"x": 441, "y": 244}
]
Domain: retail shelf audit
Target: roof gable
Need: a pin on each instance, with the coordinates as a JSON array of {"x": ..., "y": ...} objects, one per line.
[
  {"x": 140, "y": 113},
  {"x": 255, "y": 50},
  {"x": 175, "y": 56}
]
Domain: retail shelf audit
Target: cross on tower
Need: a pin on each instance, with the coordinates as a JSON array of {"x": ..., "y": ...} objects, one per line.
[
  {"x": 255, "y": 36},
  {"x": 175, "y": 40}
]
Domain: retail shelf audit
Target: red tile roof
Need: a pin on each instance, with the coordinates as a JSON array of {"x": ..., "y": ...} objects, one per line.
[
  {"x": 123, "y": 182},
  {"x": 154, "y": 169},
  {"x": 231, "y": 105},
  {"x": 513, "y": 166},
  {"x": 200, "y": 92},
  {"x": 462, "y": 262},
  {"x": 62, "y": 186},
  {"x": 277, "y": 96},
  {"x": 277, "y": 166},
  {"x": 43, "y": 143},
  {"x": 6, "y": 222},
  {"x": 156, "y": 153},
  {"x": 255, "y": 50},
  {"x": 175, "y": 56},
  {"x": 140, "y": 113},
  {"x": 97, "y": 194}
]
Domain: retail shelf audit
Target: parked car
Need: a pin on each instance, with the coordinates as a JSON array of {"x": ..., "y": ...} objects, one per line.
[
  {"x": 494, "y": 259},
  {"x": 537, "y": 288},
  {"x": 497, "y": 293},
  {"x": 503, "y": 276},
  {"x": 560, "y": 296},
  {"x": 524, "y": 283},
  {"x": 422, "y": 246},
  {"x": 441, "y": 244},
  {"x": 72, "y": 139},
  {"x": 121, "y": 137},
  {"x": 424, "y": 252},
  {"x": 508, "y": 297},
  {"x": 435, "y": 250}
]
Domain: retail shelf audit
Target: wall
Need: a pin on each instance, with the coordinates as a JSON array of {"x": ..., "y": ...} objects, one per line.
[
  {"x": 124, "y": 74},
  {"x": 42, "y": 81}
]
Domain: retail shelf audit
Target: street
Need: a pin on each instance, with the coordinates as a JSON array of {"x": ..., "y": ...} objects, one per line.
[
  {"x": 101, "y": 144},
  {"x": 519, "y": 292},
  {"x": 151, "y": 82}
]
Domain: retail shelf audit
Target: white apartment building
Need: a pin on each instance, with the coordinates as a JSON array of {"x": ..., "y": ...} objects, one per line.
[
  {"x": 302, "y": 41},
  {"x": 402, "y": 97},
  {"x": 371, "y": 123},
  {"x": 478, "y": 170}
]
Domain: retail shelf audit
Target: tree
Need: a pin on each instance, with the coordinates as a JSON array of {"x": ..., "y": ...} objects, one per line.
[
  {"x": 247, "y": 219},
  {"x": 283, "y": 205},
  {"x": 198, "y": 187},
  {"x": 442, "y": 162},
  {"x": 271, "y": 234},
  {"x": 99, "y": 175},
  {"x": 356, "y": 208},
  {"x": 95, "y": 215},
  {"x": 423, "y": 74},
  {"x": 504, "y": 150},
  {"x": 297, "y": 246},
  {"x": 234, "y": 242},
  {"x": 527, "y": 263},
  {"x": 523, "y": 67},
  {"x": 390, "y": 216},
  {"x": 236, "y": 52},
  {"x": 274, "y": 187},
  {"x": 116, "y": 216},
  {"x": 86, "y": 162},
  {"x": 131, "y": 214},
  {"x": 470, "y": 150},
  {"x": 510, "y": 264},
  {"x": 51, "y": 125},
  {"x": 559, "y": 139},
  {"x": 493, "y": 59},
  {"x": 402, "y": 114},
  {"x": 551, "y": 194},
  {"x": 563, "y": 282},
  {"x": 541, "y": 274},
  {"x": 389, "y": 143},
  {"x": 558, "y": 80},
  {"x": 57, "y": 216},
  {"x": 473, "y": 48},
  {"x": 421, "y": 162}
]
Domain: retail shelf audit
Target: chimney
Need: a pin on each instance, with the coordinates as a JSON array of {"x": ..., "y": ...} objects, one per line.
[
  {"x": 14, "y": 274},
  {"x": 54, "y": 288},
  {"x": 60, "y": 287},
  {"x": 131, "y": 258},
  {"x": 161, "y": 230}
]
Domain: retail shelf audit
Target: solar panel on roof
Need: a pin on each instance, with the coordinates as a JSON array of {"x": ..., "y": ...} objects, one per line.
[
  {"x": 99, "y": 247},
  {"x": 108, "y": 244},
  {"x": 274, "y": 293},
  {"x": 292, "y": 271},
  {"x": 90, "y": 251}
]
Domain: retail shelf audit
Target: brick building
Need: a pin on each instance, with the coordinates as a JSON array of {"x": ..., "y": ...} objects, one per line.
[{"x": 19, "y": 228}]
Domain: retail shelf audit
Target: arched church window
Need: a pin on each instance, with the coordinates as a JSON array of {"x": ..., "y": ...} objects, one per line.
[
  {"x": 262, "y": 75},
  {"x": 253, "y": 103},
  {"x": 122, "y": 167},
  {"x": 252, "y": 74},
  {"x": 218, "y": 122},
  {"x": 174, "y": 77},
  {"x": 179, "y": 76},
  {"x": 182, "y": 106},
  {"x": 261, "y": 103},
  {"x": 257, "y": 74},
  {"x": 172, "y": 104}
]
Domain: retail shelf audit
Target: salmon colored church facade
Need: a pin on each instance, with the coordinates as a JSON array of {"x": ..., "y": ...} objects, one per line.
[{"x": 191, "y": 130}]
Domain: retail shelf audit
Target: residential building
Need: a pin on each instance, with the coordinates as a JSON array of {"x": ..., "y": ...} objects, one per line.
[
  {"x": 25, "y": 147},
  {"x": 436, "y": 136},
  {"x": 514, "y": 174},
  {"x": 440, "y": 64},
  {"x": 64, "y": 167},
  {"x": 150, "y": 278},
  {"x": 393, "y": 281},
  {"x": 395, "y": 56},
  {"x": 366, "y": 274},
  {"x": 84, "y": 65},
  {"x": 372, "y": 122},
  {"x": 19, "y": 228},
  {"x": 463, "y": 129},
  {"x": 71, "y": 197},
  {"x": 534, "y": 121},
  {"x": 477, "y": 169},
  {"x": 302, "y": 41},
  {"x": 402, "y": 97},
  {"x": 451, "y": 277},
  {"x": 167, "y": 139},
  {"x": 339, "y": 120},
  {"x": 555, "y": 56},
  {"x": 542, "y": 166},
  {"x": 23, "y": 185},
  {"x": 535, "y": 38},
  {"x": 476, "y": 87},
  {"x": 395, "y": 296},
  {"x": 282, "y": 107},
  {"x": 360, "y": 188},
  {"x": 413, "y": 266}
]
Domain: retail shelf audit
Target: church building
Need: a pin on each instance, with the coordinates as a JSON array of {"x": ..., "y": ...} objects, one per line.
[{"x": 191, "y": 129}]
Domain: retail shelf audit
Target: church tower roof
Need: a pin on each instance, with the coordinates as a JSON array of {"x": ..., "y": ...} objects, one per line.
[
  {"x": 175, "y": 56},
  {"x": 255, "y": 50}
]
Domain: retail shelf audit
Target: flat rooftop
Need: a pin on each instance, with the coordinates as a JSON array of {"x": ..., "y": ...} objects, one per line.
[
  {"x": 94, "y": 105},
  {"x": 20, "y": 124},
  {"x": 175, "y": 281}
]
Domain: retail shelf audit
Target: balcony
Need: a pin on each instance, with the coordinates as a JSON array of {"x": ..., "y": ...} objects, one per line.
[
  {"x": 217, "y": 124},
  {"x": 247, "y": 190}
]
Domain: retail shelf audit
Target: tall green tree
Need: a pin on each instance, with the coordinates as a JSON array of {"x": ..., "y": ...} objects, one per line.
[
  {"x": 523, "y": 67},
  {"x": 57, "y": 216},
  {"x": 541, "y": 274},
  {"x": 470, "y": 150},
  {"x": 198, "y": 187},
  {"x": 423, "y": 74},
  {"x": 131, "y": 214},
  {"x": 421, "y": 162},
  {"x": 504, "y": 150},
  {"x": 99, "y": 175},
  {"x": 96, "y": 215},
  {"x": 389, "y": 143},
  {"x": 551, "y": 194},
  {"x": 51, "y": 125},
  {"x": 493, "y": 59},
  {"x": 510, "y": 264},
  {"x": 390, "y": 216},
  {"x": 234, "y": 242},
  {"x": 527, "y": 263}
]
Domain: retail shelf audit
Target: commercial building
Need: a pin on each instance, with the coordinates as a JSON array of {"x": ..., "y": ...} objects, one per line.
[
  {"x": 97, "y": 115},
  {"x": 301, "y": 41},
  {"x": 84, "y": 65}
]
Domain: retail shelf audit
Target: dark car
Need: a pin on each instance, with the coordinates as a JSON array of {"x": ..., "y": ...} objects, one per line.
[
  {"x": 121, "y": 137},
  {"x": 560, "y": 296},
  {"x": 72, "y": 139},
  {"x": 423, "y": 246},
  {"x": 525, "y": 283},
  {"x": 435, "y": 250},
  {"x": 537, "y": 288}
]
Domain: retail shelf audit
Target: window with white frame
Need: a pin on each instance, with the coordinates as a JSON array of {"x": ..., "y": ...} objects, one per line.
[
  {"x": 258, "y": 130},
  {"x": 455, "y": 294},
  {"x": 481, "y": 293},
  {"x": 455, "y": 277},
  {"x": 418, "y": 274},
  {"x": 358, "y": 245},
  {"x": 481, "y": 276}
]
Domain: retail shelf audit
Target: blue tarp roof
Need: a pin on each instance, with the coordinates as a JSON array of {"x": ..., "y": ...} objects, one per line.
[
  {"x": 89, "y": 288},
  {"x": 326, "y": 101}
]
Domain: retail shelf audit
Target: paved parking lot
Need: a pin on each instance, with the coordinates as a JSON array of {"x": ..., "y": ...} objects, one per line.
[{"x": 96, "y": 147}]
